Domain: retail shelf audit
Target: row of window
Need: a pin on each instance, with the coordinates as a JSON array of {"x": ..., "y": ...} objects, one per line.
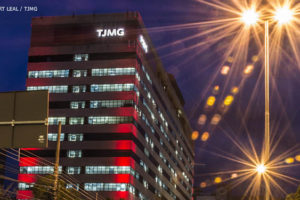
[
  {"x": 91, "y": 120},
  {"x": 51, "y": 89},
  {"x": 39, "y": 170},
  {"x": 49, "y": 74},
  {"x": 82, "y": 88},
  {"x": 82, "y": 73},
  {"x": 72, "y": 137},
  {"x": 77, "y": 170},
  {"x": 109, "y": 187}
]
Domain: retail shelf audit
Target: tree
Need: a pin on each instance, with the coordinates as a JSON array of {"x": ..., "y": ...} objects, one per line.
[
  {"x": 43, "y": 189},
  {"x": 294, "y": 196}
]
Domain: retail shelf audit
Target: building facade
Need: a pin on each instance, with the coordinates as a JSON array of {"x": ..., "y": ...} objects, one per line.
[{"x": 124, "y": 131}]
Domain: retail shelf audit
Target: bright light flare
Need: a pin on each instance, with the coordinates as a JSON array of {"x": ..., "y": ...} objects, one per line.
[
  {"x": 248, "y": 70},
  {"x": 261, "y": 168},
  {"x": 250, "y": 17},
  {"x": 284, "y": 15}
]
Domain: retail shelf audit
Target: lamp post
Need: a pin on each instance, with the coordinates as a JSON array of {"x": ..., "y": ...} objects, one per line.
[{"x": 282, "y": 15}]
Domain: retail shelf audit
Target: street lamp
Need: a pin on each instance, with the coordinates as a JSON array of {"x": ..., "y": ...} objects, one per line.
[{"x": 282, "y": 15}]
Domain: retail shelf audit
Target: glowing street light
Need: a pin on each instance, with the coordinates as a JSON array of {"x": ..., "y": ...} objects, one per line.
[
  {"x": 284, "y": 15},
  {"x": 261, "y": 168},
  {"x": 250, "y": 17}
]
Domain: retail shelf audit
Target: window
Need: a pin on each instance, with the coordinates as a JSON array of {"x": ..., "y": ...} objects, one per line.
[
  {"x": 113, "y": 71},
  {"x": 39, "y": 170},
  {"x": 55, "y": 120},
  {"x": 110, "y": 120},
  {"x": 109, "y": 170},
  {"x": 81, "y": 57},
  {"x": 112, "y": 87},
  {"x": 75, "y": 137},
  {"x": 53, "y": 137},
  {"x": 73, "y": 170},
  {"x": 109, "y": 187},
  {"x": 25, "y": 186},
  {"x": 79, "y": 73},
  {"x": 76, "y": 120},
  {"x": 52, "y": 89},
  {"x": 70, "y": 186},
  {"x": 74, "y": 153},
  {"x": 111, "y": 103},
  {"x": 77, "y": 104},
  {"x": 78, "y": 88},
  {"x": 48, "y": 74}
]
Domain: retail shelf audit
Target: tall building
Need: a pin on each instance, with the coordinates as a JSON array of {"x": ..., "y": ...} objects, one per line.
[{"x": 124, "y": 133}]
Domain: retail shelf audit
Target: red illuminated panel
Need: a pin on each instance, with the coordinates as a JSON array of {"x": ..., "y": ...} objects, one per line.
[
  {"x": 125, "y": 145},
  {"x": 28, "y": 161},
  {"x": 123, "y": 161},
  {"x": 27, "y": 178},
  {"x": 121, "y": 178},
  {"x": 124, "y": 128},
  {"x": 24, "y": 194}
]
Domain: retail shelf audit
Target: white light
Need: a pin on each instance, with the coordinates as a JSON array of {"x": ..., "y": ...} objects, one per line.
[
  {"x": 261, "y": 168},
  {"x": 283, "y": 15},
  {"x": 250, "y": 17}
]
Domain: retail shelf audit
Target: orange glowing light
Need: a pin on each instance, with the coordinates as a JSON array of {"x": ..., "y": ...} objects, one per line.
[
  {"x": 225, "y": 70},
  {"x": 218, "y": 179},
  {"x": 195, "y": 135},
  {"x": 248, "y": 70},
  {"x": 205, "y": 136},
  {"x": 289, "y": 160},
  {"x": 297, "y": 158},
  {"x": 203, "y": 184},
  {"x": 216, "y": 89},
  {"x": 234, "y": 90},
  {"x": 228, "y": 100},
  {"x": 211, "y": 101},
  {"x": 202, "y": 119},
  {"x": 216, "y": 119}
]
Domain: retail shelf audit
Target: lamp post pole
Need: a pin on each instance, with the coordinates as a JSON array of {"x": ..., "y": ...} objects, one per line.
[{"x": 267, "y": 102}]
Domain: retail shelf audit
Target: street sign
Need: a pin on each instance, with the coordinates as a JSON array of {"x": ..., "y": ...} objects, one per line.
[{"x": 24, "y": 119}]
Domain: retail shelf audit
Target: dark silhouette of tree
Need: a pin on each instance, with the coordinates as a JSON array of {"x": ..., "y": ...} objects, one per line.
[{"x": 294, "y": 196}]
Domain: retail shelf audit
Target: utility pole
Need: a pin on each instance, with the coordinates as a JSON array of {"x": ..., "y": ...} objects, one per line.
[
  {"x": 55, "y": 186},
  {"x": 97, "y": 196}
]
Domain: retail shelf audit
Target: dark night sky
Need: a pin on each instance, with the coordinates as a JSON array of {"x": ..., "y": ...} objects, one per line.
[{"x": 192, "y": 70}]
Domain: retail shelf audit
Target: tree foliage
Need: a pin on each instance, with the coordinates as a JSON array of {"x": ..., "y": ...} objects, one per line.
[
  {"x": 294, "y": 196},
  {"x": 43, "y": 189}
]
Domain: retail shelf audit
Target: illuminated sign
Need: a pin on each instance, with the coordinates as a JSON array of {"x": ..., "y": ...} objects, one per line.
[
  {"x": 111, "y": 32},
  {"x": 143, "y": 43}
]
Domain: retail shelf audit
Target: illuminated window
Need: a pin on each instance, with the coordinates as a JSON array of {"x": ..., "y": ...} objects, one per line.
[
  {"x": 109, "y": 120},
  {"x": 76, "y": 120},
  {"x": 52, "y": 89},
  {"x": 25, "y": 186},
  {"x": 39, "y": 170},
  {"x": 74, "y": 153},
  {"x": 112, "y": 87},
  {"x": 111, "y": 103},
  {"x": 81, "y": 57},
  {"x": 53, "y": 137},
  {"x": 75, "y": 137},
  {"x": 78, "y": 88},
  {"x": 55, "y": 120},
  {"x": 73, "y": 170},
  {"x": 109, "y": 170},
  {"x": 109, "y": 187},
  {"x": 77, "y": 104},
  {"x": 79, "y": 73},
  {"x": 113, "y": 71},
  {"x": 48, "y": 74},
  {"x": 74, "y": 186}
]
